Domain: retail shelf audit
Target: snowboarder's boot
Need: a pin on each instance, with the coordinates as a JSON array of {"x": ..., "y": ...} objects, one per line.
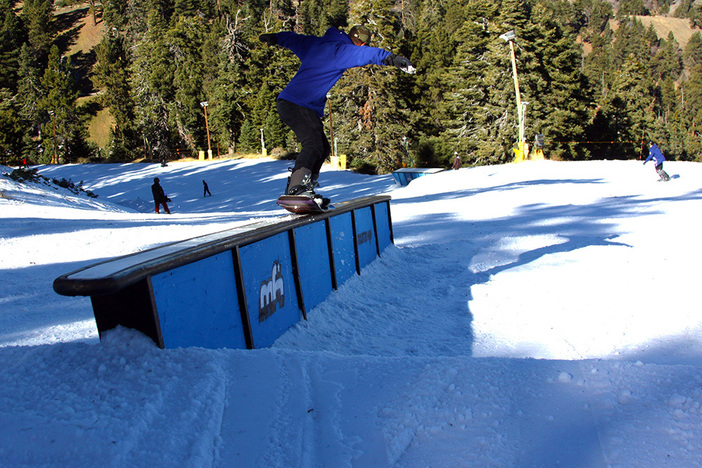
[
  {"x": 664, "y": 177},
  {"x": 299, "y": 182},
  {"x": 302, "y": 182}
]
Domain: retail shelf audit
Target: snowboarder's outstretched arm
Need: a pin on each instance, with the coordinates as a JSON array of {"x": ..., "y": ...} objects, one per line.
[{"x": 296, "y": 43}]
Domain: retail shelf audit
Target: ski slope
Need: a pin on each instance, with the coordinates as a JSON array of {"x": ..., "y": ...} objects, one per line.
[{"x": 538, "y": 314}]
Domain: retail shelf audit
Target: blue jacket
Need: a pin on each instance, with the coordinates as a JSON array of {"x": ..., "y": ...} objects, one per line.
[
  {"x": 324, "y": 59},
  {"x": 656, "y": 154}
]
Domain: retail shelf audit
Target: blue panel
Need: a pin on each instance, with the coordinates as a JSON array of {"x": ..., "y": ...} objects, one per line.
[
  {"x": 313, "y": 263},
  {"x": 197, "y": 304},
  {"x": 342, "y": 243},
  {"x": 382, "y": 222},
  {"x": 270, "y": 288},
  {"x": 402, "y": 178},
  {"x": 365, "y": 236}
]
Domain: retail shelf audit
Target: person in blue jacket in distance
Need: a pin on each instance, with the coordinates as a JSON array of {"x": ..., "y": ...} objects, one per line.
[
  {"x": 301, "y": 104},
  {"x": 655, "y": 154}
]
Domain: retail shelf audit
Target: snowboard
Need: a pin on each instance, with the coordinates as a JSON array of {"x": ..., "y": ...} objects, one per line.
[{"x": 301, "y": 204}]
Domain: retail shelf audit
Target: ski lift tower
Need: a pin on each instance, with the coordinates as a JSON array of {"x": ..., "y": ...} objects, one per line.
[{"x": 520, "y": 151}]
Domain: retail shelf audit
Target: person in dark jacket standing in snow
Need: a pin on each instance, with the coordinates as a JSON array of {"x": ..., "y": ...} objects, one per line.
[
  {"x": 160, "y": 197},
  {"x": 655, "y": 154},
  {"x": 301, "y": 104},
  {"x": 456, "y": 161}
]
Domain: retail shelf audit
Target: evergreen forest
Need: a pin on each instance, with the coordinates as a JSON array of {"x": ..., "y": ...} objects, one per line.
[{"x": 181, "y": 76}]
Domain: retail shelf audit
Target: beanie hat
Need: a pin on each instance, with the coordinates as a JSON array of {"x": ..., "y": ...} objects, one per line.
[{"x": 361, "y": 33}]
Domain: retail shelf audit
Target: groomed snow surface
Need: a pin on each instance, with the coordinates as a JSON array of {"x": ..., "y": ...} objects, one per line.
[{"x": 539, "y": 314}]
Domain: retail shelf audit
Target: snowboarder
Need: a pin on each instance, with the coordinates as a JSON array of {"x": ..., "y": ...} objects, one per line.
[
  {"x": 206, "y": 189},
  {"x": 655, "y": 154},
  {"x": 301, "y": 104},
  {"x": 160, "y": 197}
]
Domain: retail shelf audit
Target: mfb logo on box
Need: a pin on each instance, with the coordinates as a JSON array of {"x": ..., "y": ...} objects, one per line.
[
  {"x": 272, "y": 292},
  {"x": 365, "y": 236}
]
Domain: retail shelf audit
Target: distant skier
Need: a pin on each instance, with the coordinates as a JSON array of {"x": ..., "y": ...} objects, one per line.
[
  {"x": 206, "y": 189},
  {"x": 301, "y": 104},
  {"x": 655, "y": 154},
  {"x": 456, "y": 161},
  {"x": 160, "y": 197}
]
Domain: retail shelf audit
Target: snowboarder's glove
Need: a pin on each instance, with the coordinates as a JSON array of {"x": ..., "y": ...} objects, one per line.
[
  {"x": 269, "y": 39},
  {"x": 401, "y": 63}
]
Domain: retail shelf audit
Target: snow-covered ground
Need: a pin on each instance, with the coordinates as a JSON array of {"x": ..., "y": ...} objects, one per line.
[{"x": 538, "y": 314}]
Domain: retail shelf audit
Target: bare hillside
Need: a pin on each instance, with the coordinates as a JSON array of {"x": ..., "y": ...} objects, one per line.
[{"x": 663, "y": 25}]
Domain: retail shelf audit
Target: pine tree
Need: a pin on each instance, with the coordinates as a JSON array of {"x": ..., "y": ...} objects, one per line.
[
  {"x": 691, "y": 102},
  {"x": 37, "y": 16},
  {"x": 313, "y": 18},
  {"x": 114, "y": 13},
  {"x": 111, "y": 74},
  {"x": 435, "y": 49},
  {"x": 668, "y": 61},
  {"x": 598, "y": 66},
  {"x": 12, "y": 36},
  {"x": 629, "y": 109},
  {"x": 151, "y": 73},
  {"x": 692, "y": 54},
  {"x": 225, "y": 90},
  {"x": 632, "y": 40},
  {"x": 672, "y": 125},
  {"x": 684, "y": 9},
  {"x": 667, "y": 66},
  {"x": 184, "y": 41},
  {"x": 467, "y": 92},
  {"x": 59, "y": 96},
  {"x": 187, "y": 8},
  {"x": 11, "y": 128},
  {"x": 337, "y": 13},
  {"x": 29, "y": 93},
  {"x": 696, "y": 17},
  {"x": 557, "y": 91},
  {"x": 632, "y": 8}
]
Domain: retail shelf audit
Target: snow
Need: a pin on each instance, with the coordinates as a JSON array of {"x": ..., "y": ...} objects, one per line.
[{"x": 535, "y": 314}]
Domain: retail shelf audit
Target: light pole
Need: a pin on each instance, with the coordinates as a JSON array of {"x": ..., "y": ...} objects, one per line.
[
  {"x": 54, "y": 159},
  {"x": 204, "y": 105},
  {"x": 264, "y": 153},
  {"x": 509, "y": 36}
]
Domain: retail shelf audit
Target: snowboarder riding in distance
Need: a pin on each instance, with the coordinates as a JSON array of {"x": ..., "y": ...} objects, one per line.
[
  {"x": 324, "y": 59},
  {"x": 655, "y": 154}
]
